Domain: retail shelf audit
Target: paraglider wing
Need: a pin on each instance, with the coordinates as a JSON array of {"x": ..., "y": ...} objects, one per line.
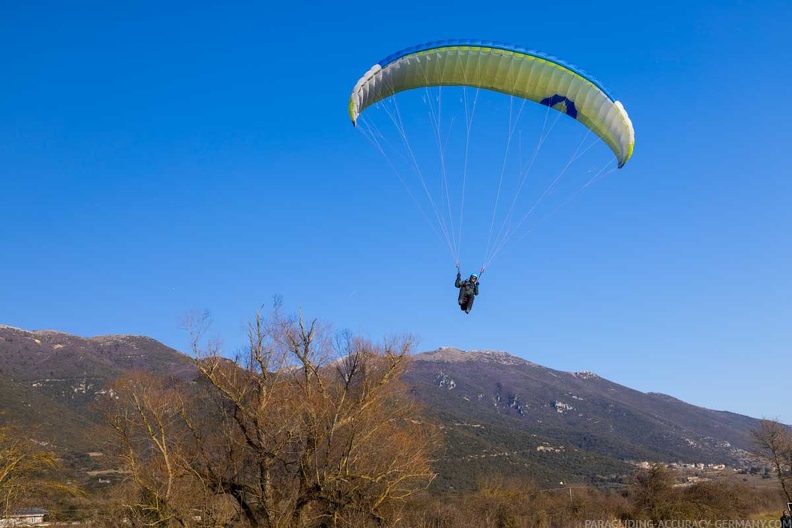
[{"x": 501, "y": 68}]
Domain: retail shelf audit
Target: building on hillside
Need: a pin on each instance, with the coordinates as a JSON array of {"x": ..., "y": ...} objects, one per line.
[{"x": 27, "y": 517}]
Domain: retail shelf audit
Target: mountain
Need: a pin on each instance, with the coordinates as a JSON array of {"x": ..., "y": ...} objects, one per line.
[
  {"x": 582, "y": 426},
  {"x": 499, "y": 413},
  {"x": 48, "y": 381}
]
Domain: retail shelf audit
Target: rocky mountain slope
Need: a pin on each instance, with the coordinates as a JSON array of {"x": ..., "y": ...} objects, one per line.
[
  {"x": 526, "y": 414},
  {"x": 49, "y": 380}
]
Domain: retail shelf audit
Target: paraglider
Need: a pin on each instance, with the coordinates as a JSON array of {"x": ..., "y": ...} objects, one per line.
[
  {"x": 468, "y": 289},
  {"x": 519, "y": 73}
]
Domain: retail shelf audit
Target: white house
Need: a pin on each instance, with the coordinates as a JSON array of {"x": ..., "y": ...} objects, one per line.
[{"x": 28, "y": 517}]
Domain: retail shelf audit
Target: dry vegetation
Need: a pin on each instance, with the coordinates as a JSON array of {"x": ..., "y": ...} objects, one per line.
[
  {"x": 28, "y": 472},
  {"x": 650, "y": 496}
]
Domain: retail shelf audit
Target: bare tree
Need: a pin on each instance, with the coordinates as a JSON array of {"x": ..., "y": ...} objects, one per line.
[
  {"x": 151, "y": 419},
  {"x": 310, "y": 442},
  {"x": 300, "y": 430},
  {"x": 652, "y": 494},
  {"x": 145, "y": 415},
  {"x": 774, "y": 440}
]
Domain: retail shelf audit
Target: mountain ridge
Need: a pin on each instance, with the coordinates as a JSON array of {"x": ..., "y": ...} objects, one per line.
[{"x": 499, "y": 412}]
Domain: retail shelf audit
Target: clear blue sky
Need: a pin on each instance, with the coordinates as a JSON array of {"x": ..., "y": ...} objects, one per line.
[{"x": 163, "y": 157}]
